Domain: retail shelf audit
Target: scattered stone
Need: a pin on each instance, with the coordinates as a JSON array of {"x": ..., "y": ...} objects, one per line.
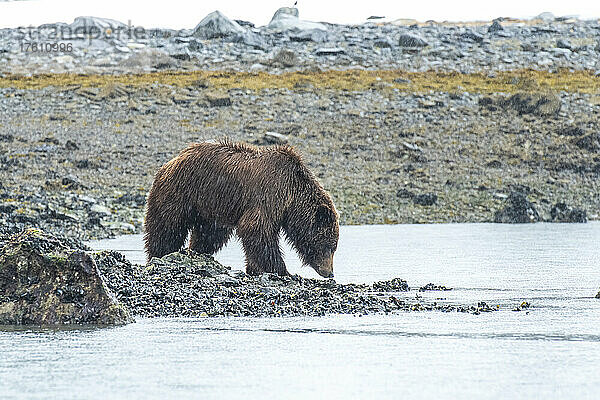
[
  {"x": 286, "y": 18},
  {"x": 540, "y": 104},
  {"x": 97, "y": 27},
  {"x": 518, "y": 210},
  {"x": 393, "y": 285},
  {"x": 561, "y": 212},
  {"x": 571, "y": 131},
  {"x": 135, "y": 199},
  {"x": 216, "y": 25},
  {"x": 286, "y": 58},
  {"x": 180, "y": 54},
  {"x": 405, "y": 194},
  {"x": 590, "y": 142},
  {"x": 411, "y": 41},
  {"x": 433, "y": 287},
  {"x": 482, "y": 306},
  {"x": 495, "y": 27},
  {"x": 546, "y": 17},
  {"x": 100, "y": 210},
  {"x": 330, "y": 51},
  {"x": 82, "y": 164},
  {"x": 271, "y": 138},
  {"x": 291, "y": 11},
  {"x": 564, "y": 44},
  {"x": 427, "y": 199},
  {"x": 71, "y": 145},
  {"x": 250, "y": 39},
  {"x": 309, "y": 35},
  {"x": 383, "y": 43},
  {"x": 218, "y": 99},
  {"x": 47, "y": 281},
  {"x": 412, "y": 146},
  {"x": 71, "y": 182},
  {"x": 470, "y": 35},
  {"x": 494, "y": 164}
]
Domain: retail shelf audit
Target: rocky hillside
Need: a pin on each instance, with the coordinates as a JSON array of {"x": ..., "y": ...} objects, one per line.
[{"x": 96, "y": 45}]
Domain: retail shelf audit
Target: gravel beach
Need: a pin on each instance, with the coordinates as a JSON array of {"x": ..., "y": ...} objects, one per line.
[{"x": 402, "y": 122}]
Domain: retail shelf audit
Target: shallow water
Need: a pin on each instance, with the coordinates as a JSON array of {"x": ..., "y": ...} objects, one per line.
[{"x": 551, "y": 351}]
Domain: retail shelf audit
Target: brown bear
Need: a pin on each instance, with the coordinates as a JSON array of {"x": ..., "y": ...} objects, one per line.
[{"x": 210, "y": 189}]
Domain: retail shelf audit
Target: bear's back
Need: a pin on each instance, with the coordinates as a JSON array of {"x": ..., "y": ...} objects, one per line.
[{"x": 237, "y": 157}]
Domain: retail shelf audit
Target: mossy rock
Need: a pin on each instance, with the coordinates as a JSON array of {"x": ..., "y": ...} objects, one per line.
[{"x": 45, "y": 280}]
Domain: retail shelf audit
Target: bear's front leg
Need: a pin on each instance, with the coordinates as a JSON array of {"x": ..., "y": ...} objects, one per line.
[
  {"x": 261, "y": 246},
  {"x": 263, "y": 255}
]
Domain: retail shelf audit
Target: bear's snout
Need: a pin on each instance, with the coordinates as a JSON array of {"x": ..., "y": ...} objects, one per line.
[{"x": 325, "y": 268}]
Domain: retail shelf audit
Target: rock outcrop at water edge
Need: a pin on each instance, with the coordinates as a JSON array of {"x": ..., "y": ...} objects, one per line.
[{"x": 45, "y": 280}]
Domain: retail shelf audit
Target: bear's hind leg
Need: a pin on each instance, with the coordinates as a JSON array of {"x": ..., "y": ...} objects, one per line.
[
  {"x": 208, "y": 237},
  {"x": 164, "y": 241}
]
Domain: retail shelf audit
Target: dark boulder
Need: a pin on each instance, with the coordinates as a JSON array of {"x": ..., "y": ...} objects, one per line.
[
  {"x": 330, "y": 51},
  {"x": 97, "y": 27},
  {"x": 411, "y": 41},
  {"x": 426, "y": 199},
  {"x": 495, "y": 27},
  {"x": 589, "y": 142},
  {"x": 286, "y": 58},
  {"x": 470, "y": 35},
  {"x": 561, "y": 212},
  {"x": 540, "y": 104},
  {"x": 571, "y": 130},
  {"x": 217, "y": 99},
  {"x": 216, "y": 25},
  {"x": 45, "y": 280},
  {"x": 405, "y": 194},
  {"x": 518, "y": 210}
]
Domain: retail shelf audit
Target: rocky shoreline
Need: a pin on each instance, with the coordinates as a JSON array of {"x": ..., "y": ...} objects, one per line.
[
  {"x": 48, "y": 280},
  {"x": 410, "y": 123}
]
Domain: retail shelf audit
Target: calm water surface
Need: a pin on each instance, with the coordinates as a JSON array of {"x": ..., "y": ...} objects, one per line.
[{"x": 553, "y": 351}]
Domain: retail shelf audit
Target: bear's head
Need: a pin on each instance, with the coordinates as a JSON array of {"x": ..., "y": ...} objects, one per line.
[{"x": 315, "y": 235}]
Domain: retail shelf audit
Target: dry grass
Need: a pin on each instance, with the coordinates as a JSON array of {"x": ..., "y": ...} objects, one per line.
[{"x": 355, "y": 80}]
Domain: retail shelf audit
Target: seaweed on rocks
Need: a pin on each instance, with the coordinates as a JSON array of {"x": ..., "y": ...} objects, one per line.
[
  {"x": 518, "y": 210},
  {"x": 45, "y": 279},
  {"x": 186, "y": 284},
  {"x": 562, "y": 212}
]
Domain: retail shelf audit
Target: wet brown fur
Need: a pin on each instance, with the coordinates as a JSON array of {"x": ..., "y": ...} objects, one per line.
[{"x": 212, "y": 189}]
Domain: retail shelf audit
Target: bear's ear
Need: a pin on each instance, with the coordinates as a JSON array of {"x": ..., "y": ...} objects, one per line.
[{"x": 325, "y": 216}]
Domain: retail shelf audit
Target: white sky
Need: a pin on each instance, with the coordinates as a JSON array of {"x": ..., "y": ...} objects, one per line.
[{"x": 186, "y": 14}]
